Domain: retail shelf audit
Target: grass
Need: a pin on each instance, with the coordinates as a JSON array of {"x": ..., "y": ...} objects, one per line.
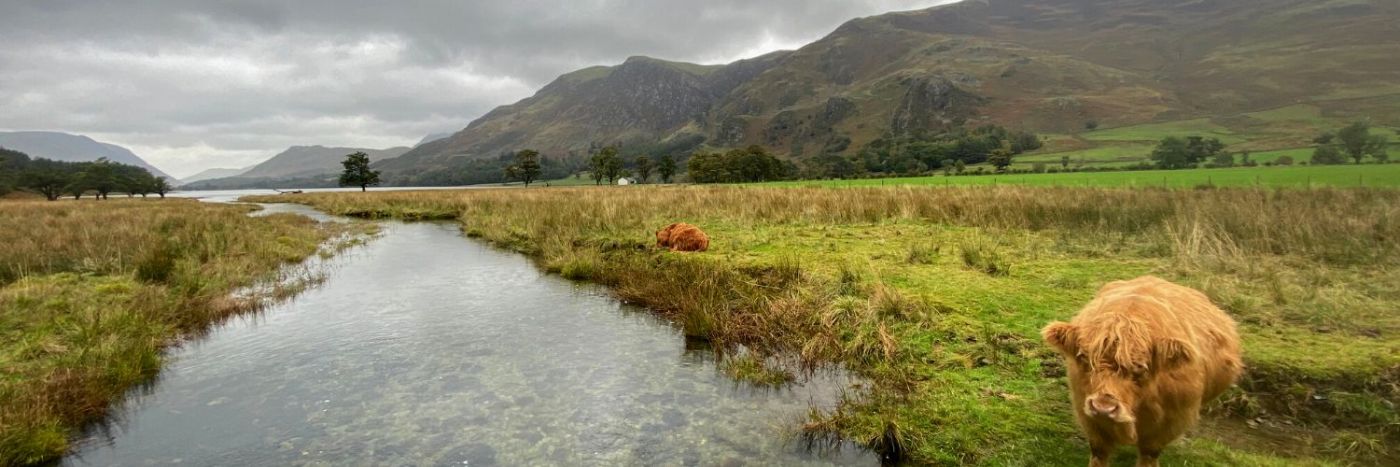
[
  {"x": 935, "y": 295},
  {"x": 1271, "y": 132},
  {"x": 91, "y": 292},
  {"x": 1368, "y": 175},
  {"x": 1108, "y": 154}
]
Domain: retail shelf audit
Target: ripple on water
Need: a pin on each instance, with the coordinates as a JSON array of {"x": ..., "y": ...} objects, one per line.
[{"x": 424, "y": 347}]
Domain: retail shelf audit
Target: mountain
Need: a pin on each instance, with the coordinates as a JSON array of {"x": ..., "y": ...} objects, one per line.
[
  {"x": 641, "y": 99},
  {"x": 212, "y": 174},
  {"x": 1049, "y": 66},
  {"x": 73, "y": 148},
  {"x": 296, "y": 167},
  {"x": 432, "y": 137},
  {"x": 308, "y": 161}
]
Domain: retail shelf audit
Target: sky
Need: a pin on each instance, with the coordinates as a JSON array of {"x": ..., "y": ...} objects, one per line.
[{"x": 195, "y": 84}]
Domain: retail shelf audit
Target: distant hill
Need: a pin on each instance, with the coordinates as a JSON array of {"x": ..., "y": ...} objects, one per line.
[
  {"x": 307, "y": 161},
  {"x": 298, "y": 166},
  {"x": 72, "y": 148},
  {"x": 1052, "y": 66},
  {"x": 432, "y": 137},
  {"x": 212, "y": 174}
]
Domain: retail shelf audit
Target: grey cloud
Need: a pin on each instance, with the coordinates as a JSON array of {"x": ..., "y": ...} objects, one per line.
[{"x": 193, "y": 84}]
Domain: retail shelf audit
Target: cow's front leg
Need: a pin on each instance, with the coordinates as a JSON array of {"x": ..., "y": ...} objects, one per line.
[
  {"x": 1099, "y": 454},
  {"x": 1147, "y": 457}
]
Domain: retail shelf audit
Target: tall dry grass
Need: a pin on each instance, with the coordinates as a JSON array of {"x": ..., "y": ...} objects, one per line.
[
  {"x": 1337, "y": 226},
  {"x": 893, "y": 335}
]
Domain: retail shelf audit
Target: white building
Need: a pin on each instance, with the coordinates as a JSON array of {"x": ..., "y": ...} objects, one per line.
[{"x": 624, "y": 181}]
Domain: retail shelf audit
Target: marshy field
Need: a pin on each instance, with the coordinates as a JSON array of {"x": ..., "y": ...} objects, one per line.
[
  {"x": 92, "y": 293},
  {"x": 934, "y": 297}
]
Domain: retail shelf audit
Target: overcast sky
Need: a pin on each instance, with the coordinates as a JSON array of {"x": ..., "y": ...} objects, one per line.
[{"x": 194, "y": 84}]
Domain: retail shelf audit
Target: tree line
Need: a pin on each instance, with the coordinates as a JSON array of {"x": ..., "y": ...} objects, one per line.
[
  {"x": 1354, "y": 142},
  {"x": 952, "y": 151},
  {"x": 918, "y": 153},
  {"x": 55, "y": 179}
]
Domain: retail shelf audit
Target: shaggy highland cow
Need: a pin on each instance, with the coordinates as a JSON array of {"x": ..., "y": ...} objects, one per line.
[
  {"x": 1143, "y": 357},
  {"x": 682, "y": 237}
]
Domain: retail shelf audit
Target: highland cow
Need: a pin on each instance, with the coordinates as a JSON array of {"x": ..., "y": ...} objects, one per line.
[
  {"x": 682, "y": 237},
  {"x": 1143, "y": 356}
]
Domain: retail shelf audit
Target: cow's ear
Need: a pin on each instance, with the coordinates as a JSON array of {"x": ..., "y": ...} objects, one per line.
[
  {"x": 1063, "y": 336},
  {"x": 1171, "y": 353}
]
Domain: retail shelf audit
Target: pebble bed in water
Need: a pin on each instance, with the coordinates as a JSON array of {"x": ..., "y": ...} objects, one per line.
[{"x": 427, "y": 348}]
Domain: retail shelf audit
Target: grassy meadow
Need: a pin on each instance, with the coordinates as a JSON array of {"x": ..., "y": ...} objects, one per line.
[
  {"x": 91, "y": 292},
  {"x": 1266, "y": 134},
  {"x": 936, "y": 294},
  {"x": 1366, "y": 175}
]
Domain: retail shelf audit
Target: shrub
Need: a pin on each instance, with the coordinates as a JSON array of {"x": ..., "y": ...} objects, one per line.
[{"x": 984, "y": 257}]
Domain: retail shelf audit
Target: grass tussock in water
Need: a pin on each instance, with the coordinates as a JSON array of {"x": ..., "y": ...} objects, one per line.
[
  {"x": 936, "y": 296},
  {"x": 91, "y": 292}
]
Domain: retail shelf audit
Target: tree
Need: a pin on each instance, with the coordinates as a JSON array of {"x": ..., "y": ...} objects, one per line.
[
  {"x": 666, "y": 168},
  {"x": 1284, "y": 160},
  {"x": 1000, "y": 158},
  {"x": 1328, "y": 154},
  {"x": 606, "y": 164},
  {"x": 1377, "y": 148},
  {"x": 12, "y": 166},
  {"x": 1177, "y": 153},
  {"x": 75, "y": 187},
  {"x": 357, "y": 172},
  {"x": 959, "y": 166},
  {"x": 526, "y": 167},
  {"x": 512, "y": 172},
  {"x": 140, "y": 185},
  {"x": 160, "y": 186},
  {"x": 1357, "y": 142},
  {"x": 99, "y": 176},
  {"x": 1064, "y": 162},
  {"x": 1204, "y": 149},
  {"x": 47, "y": 177},
  {"x": 644, "y": 167},
  {"x": 1223, "y": 160},
  {"x": 706, "y": 168}
]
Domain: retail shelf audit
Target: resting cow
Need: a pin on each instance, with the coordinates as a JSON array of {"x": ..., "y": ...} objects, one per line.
[
  {"x": 1143, "y": 357},
  {"x": 682, "y": 237}
]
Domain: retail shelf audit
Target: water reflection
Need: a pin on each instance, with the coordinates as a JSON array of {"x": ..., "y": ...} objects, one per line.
[{"x": 427, "y": 348}]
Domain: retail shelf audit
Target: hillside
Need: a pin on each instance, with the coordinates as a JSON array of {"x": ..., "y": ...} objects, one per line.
[
  {"x": 209, "y": 174},
  {"x": 432, "y": 137},
  {"x": 306, "y": 161},
  {"x": 72, "y": 148},
  {"x": 298, "y": 166},
  {"x": 1048, "y": 66}
]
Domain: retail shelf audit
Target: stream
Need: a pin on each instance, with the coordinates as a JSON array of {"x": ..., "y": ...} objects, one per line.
[{"x": 424, "y": 347}]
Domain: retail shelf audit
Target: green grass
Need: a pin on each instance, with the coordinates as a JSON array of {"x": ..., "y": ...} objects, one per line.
[
  {"x": 1157, "y": 131},
  {"x": 1369, "y": 175},
  {"x": 1098, "y": 156},
  {"x": 936, "y": 295},
  {"x": 1284, "y": 130},
  {"x": 91, "y": 292}
]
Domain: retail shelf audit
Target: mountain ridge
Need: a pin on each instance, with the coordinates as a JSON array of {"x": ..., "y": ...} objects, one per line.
[
  {"x": 1054, "y": 66},
  {"x": 301, "y": 166},
  {"x": 60, "y": 146}
]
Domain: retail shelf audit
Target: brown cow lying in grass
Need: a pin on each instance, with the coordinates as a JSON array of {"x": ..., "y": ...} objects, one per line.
[
  {"x": 682, "y": 237},
  {"x": 1143, "y": 356}
]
